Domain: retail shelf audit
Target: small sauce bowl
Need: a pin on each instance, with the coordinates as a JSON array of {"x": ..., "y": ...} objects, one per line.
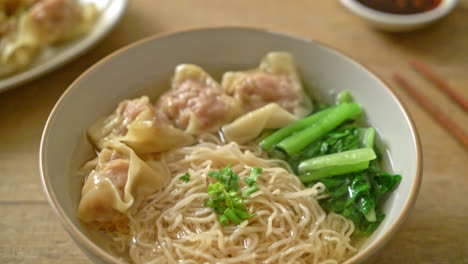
[{"x": 399, "y": 22}]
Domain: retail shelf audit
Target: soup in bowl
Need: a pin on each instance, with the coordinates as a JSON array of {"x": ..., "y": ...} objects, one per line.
[{"x": 244, "y": 146}]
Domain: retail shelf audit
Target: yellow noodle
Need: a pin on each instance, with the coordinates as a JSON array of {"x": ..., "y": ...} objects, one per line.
[{"x": 172, "y": 225}]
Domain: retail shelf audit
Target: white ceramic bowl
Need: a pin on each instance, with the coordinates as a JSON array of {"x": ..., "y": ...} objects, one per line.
[
  {"x": 146, "y": 67},
  {"x": 397, "y": 22}
]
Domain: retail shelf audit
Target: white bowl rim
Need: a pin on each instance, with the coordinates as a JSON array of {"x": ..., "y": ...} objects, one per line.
[
  {"x": 438, "y": 12},
  {"x": 83, "y": 240}
]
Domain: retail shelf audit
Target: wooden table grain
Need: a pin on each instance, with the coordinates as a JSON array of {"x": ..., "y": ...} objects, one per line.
[{"x": 436, "y": 230}]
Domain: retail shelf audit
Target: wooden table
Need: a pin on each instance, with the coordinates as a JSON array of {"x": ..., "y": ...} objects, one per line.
[{"x": 436, "y": 230}]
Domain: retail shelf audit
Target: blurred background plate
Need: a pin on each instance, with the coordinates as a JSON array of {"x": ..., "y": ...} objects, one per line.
[
  {"x": 393, "y": 22},
  {"x": 53, "y": 57}
]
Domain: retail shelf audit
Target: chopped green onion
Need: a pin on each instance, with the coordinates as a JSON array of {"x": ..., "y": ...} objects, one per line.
[
  {"x": 223, "y": 220},
  {"x": 185, "y": 177},
  {"x": 241, "y": 214},
  {"x": 232, "y": 216},
  {"x": 247, "y": 192},
  {"x": 224, "y": 198}
]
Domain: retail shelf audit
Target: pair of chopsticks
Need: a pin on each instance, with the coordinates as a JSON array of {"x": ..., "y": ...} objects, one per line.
[{"x": 430, "y": 107}]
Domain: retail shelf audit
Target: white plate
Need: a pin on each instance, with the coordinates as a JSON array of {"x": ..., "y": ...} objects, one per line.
[{"x": 51, "y": 58}]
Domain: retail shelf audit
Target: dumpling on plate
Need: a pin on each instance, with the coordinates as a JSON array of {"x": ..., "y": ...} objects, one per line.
[
  {"x": 44, "y": 23},
  {"x": 141, "y": 126},
  {"x": 251, "y": 125},
  {"x": 10, "y": 12},
  {"x": 196, "y": 102},
  {"x": 276, "y": 80},
  {"x": 116, "y": 180},
  {"x": 14, "y": 8},
  {"x": 5, "y": 24}
]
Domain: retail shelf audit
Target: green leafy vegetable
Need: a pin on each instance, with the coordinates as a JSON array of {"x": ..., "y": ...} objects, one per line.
[
  {"x": 342, "y": 139},
  {"x": 330, "y": 147},
  {"x": 224, "y": 197},
  {"x": 359, "y": 196},
  {"x": 185, "y": 177},
  {"x": 335, "y": 117}
]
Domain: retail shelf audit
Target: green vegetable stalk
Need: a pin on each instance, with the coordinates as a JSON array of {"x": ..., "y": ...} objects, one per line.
[
  {"x": 335, "y": 117},
  {"x": 367, "y": 136},
  {"x": 269, "y": 142},
  {"x": 344, "y": 97},
  {"x": 345, "y": 158},
  {"x": 332, "y": 171}
]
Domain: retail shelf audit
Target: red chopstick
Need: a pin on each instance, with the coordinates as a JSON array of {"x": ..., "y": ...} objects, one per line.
[
  {"x": 433, "y": 110},
  {"x": 443, "y": 86}
]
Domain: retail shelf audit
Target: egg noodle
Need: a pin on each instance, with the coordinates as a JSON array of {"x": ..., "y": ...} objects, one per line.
[{"x": 173, "y": 225}]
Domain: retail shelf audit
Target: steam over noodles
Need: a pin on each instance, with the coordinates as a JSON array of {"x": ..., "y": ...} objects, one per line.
[{"x": 185, "y": 180}]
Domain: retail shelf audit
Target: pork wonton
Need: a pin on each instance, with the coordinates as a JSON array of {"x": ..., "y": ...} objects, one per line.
[
  {"x": 251, "y": 125},
  {"x": 139, "y": 125},
  {"x": 276, "y": 80},
  {"x": 117, "y": 180},
  {"x": 196, "y": 102}
]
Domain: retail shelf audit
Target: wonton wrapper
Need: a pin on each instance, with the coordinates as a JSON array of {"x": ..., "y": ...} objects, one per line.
[
  {"x": 276, "y": 70},
  {"x": 196, "y": 102},
  {"x": 251, "y": 125},
  {"x": 149, "y": 131},
  {"x": 15, "y": 7},
  {"x": 102, "y": 200},
  {"x": 46, "y": 22}
]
